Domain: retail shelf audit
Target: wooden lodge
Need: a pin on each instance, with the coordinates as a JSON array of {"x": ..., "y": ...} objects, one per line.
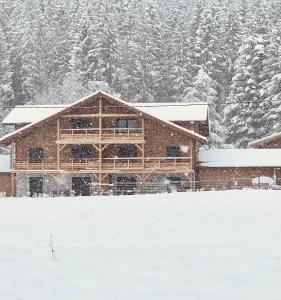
[
  {"x": 103, "y": 145},
  {"x": 99, "y": 142}
]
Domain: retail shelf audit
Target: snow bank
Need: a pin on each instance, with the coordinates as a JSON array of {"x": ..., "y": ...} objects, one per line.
[{"x": 212, "y": 245}]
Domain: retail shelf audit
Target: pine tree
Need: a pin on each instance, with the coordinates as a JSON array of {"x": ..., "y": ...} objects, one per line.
[
  {"x": 203, "y": 90},
  {"x": 245, "y": 114}
]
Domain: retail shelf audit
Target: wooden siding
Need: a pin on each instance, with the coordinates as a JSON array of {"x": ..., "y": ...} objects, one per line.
[
  {"x": 232, "y": 178},
  {"x": 6, "y": 183}
]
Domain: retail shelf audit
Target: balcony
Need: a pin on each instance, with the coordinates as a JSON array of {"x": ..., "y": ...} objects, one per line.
[
  {"x": 107, "y": 165},
  {"x": 104, "y": 135}
]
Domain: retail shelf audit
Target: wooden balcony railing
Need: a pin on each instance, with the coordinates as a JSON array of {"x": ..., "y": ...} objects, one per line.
[
  {"x": 103, "y": 134},
  {"x": 108, "y": 164}
]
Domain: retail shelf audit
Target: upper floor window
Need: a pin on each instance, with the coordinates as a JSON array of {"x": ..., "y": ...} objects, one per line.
[
  {"x": 81, "y": 123},
  {"x": 35, "y": 154},
  {"x": 80, "y": 152},
  {"x": 173, "y": 151},
  {"x": 127, "y": 123}
]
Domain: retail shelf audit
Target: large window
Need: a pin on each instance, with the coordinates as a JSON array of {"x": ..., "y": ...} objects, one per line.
[
  {"x": 35, "y": 186},
  {"x": 127, "y": 123},
  {"x": 81, "y": 123},
  {"x": 35, "y": 155},
  {"x": 127, "y": 151},
  {"x": 81, "y": 153},
  {"x": 173, "y": 151}
]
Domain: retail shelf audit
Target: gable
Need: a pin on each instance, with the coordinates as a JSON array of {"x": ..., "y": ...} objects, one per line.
[{"x": 91, "y": 102}]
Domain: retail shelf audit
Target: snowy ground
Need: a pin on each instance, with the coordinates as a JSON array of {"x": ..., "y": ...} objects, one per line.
[{"x": 216, "y": 245}]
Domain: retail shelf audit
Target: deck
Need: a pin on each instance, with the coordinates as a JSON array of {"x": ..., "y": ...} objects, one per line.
[{"x": 107, "y": 165}]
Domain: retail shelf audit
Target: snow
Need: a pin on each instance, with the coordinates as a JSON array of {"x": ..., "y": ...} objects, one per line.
[
  {"x": 166, "y": 111},
  {"x": 31, "y": 113},
  {"x": 175, "y": 111},
  {"x": 220, "y": 158},
  {"x": 263, "y": 180},
  {"x": 5, "y": 163},
  {"x": 201, "y": 246},
  {"x": 266, "y": 139},
  {"x": 80, "y": 101}
]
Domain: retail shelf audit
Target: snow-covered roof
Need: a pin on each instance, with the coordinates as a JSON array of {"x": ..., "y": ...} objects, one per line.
[
  {"x": 165, "y": 111},
  {"x": 10, "y": 136},
  {"x": 24, "y": 114},
  {"x": 5, "y": 165},
  {"x": 265, "y": 140},
  {"x": 239, "y": 158},
  {"x": 176, "y": 111}
]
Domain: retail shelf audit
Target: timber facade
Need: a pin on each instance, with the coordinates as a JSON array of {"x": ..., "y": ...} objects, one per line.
[
  {"x": 104, "y": 145},
  {"x": 101, "y": 144}
]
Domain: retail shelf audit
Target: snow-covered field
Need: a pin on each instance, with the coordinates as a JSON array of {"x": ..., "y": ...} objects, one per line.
[{"x": 212, "y": 245}]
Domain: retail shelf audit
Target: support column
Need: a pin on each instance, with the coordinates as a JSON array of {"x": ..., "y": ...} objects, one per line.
[{"x": 58, "y": 146}]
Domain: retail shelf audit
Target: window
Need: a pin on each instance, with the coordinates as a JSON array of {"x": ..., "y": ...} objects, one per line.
[
  {"x": 81, "y": 123},
  {"x": 173, "y": 151},
  {"x": 127, "y": 123},
  {"x": 127, "y": 151},
  {"x": 35, "y": 154},
  {"x": 35, "y": 186},
  {"x": 81, "y": 152}
]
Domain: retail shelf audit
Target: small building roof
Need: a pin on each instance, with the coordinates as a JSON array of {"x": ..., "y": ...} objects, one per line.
[
  {"x": 5, "y": 163},
  {"x": 265, "y": 140},
  {"x": 25, "y": 114},
  {"x": 240, "y": 158},
  {"x": 176, "y": 111}
]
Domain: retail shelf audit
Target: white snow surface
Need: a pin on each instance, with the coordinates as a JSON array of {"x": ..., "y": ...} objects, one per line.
[
  {"x": 199, "y": 246},
  {"x": 166, "y": 111},
  {"x": 175, "y": 111},
  {"x": 24, "y": 114},
  {"x": 5, "y": 163},
  {"x": 220, "y": 158}
]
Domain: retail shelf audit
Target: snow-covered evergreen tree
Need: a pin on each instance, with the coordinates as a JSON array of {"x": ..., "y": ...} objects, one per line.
[
  {"x": 244, "y": 115},
  {"x": 203, "y": 90}
]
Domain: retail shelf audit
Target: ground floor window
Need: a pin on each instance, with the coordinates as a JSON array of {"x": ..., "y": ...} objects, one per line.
[
  {"x": 125, "y": 185},
  {"x": 81, "y": 186},
  {"x": 35, "y": 186}
]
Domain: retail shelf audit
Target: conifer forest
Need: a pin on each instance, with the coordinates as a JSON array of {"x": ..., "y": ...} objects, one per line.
[{"x": 223, "y": 52}]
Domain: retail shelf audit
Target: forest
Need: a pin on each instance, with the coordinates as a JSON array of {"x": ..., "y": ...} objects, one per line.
[{"x": 223, "y": 52}]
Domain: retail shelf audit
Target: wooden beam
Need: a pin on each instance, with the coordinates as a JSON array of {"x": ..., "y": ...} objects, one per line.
[
  {"x": 142, "y": 146},
  {"x": 58, "y": 146},
  {"x": 13, "y": 176},
  {"x": 104, "y": 147},
  {"x": 62, "y": 147},
  {"x": 100, "y": 115}
]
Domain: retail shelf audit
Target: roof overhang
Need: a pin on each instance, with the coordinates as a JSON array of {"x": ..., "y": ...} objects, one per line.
[{"x": 263, "y": 141}]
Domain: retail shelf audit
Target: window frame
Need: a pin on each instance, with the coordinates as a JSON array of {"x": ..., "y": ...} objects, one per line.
[{"x": 35, "y": 158}]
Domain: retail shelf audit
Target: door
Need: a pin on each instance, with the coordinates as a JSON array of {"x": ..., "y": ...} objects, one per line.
[
  {"x": 35, "y": 186},
  {"x": 81, "y": 186}
]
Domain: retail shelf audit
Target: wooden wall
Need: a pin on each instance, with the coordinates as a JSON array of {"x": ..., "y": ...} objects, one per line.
[
  {"x": 6, "y": 183},
  {"x": 229, "y": 178}
]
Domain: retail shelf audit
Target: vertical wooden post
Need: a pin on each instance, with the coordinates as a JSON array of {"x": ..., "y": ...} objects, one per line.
[
  {"x": 58, "y": 145},
  {"x": 100, "y": 145},
  {"x": 142, "y": 145},
  {"x": 13, "y": 185},
  {"x": 191, "y": 150}
]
